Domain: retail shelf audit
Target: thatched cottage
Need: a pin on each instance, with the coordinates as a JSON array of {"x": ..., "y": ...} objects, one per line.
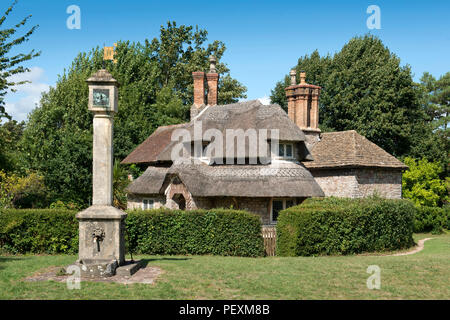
[{"x": 290, "y": 161}]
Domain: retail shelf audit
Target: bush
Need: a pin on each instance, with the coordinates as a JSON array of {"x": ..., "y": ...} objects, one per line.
[
  {"x": 38, "y": 231},
  {"x": 217, "y": 231},
  {"x": 345, "y": 226},
  {"x": 432, "y": 219}
]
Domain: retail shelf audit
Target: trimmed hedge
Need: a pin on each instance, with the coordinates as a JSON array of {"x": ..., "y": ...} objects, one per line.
[
  {"x": 38, "y": 231},
  {"x": 345, "y": 226},
  {"x": 432, "y": 219},
  {"x": 218, "y": 231}
]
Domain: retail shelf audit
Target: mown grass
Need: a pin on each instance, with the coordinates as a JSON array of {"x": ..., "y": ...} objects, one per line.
[{"x": 424, "y": 275}]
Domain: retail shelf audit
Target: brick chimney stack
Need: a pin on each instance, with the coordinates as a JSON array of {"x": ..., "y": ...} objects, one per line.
[
  {"x": 303, "y": 106},
  {"x": 212, "y": 78},
  {"x": 199, "y": 93}
]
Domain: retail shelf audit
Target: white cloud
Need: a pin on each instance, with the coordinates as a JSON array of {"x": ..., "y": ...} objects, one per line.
[
  {"x": 264, "y": 100},
  {"x": 18, "y": 104}
]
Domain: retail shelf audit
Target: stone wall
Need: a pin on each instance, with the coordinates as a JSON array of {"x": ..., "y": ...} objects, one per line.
[
  {"x": 135, "y": 201},
  {"x": 359, "y": 182}
]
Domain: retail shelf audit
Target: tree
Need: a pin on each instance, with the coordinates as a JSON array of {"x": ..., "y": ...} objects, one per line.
[
  {"x": 16, "y": 190},
  {"x": 156, "y": 88},
  {"x": 11, "y": 65},
  {"x": 421, "y": 183},
  {"x": 364, "y": 88},
  {"x": 435, "y": 101},
  {"x": 10, "y": 133}
]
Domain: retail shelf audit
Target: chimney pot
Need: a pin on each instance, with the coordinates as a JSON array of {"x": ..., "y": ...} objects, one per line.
[
  {"x": 293, "y": 75},
  {"x": 212, "y": 64},
  {"x": 302, "y": 77}
]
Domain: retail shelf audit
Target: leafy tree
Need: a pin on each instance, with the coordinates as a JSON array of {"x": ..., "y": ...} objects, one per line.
[
  {"x": 421, "y": 183},
  {"x": 10, "y": 133},
  {"x": 16, "y": 190},
  {"x": 364, "y": 88},
  {"x": 120, "y": 182},
  {"x": 435, "y": 100},
  {"x": 11, "y": 65},
  {"x": 156, "y": 88}
]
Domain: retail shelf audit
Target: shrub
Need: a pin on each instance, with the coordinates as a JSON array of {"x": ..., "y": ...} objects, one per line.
[
  {"x": 38, "y": 231},
  {"x": 217, "y": 231},
  {"x": 431, "y": 219},
  {"x": 345, "y": 226}
]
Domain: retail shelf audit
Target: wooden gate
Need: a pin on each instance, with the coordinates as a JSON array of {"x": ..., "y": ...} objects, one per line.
[{"x": 269, "y": 234}]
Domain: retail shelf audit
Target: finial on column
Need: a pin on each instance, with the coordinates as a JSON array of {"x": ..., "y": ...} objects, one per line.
[
  {"x": 302, "y": 77},
  {"x": 293, "y": 75},
  {"x": 212, "y": 64}
]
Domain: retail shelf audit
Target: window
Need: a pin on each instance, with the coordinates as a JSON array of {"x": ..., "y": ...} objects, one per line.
[
  {"x": 286, "y": 150},
  {"x": 147, "y": 204},
  {"x": 280, "y": 204}
]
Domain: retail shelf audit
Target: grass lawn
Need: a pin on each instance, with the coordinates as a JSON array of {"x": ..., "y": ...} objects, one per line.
[{"x": 424, "y": 275}]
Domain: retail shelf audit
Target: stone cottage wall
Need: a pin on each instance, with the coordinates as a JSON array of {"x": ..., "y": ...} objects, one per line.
[
  {"x": 338, "y": 183},
  {"x": 135, "y": 201},
  {"x": 386, "y": 183},
  {"x": 359, "y": 182}
]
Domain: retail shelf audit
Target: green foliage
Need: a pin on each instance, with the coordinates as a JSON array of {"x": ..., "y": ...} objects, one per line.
[
  {"x": 432, "y": 219},
  {"x": 364, "y": 88},
  {"x": 435, "y": 99},
  {"x": 11, "y": 65},
  {"x": 38, "y": 231},
  {"x": 120, "y": 182},
  {"x": 17, "y": 191},
  {"x": 217, "y": 231},
  {"x": 156, "y": 88},
  {"x": 10, "y": 133},
  {"x": 421, "y": 183},
  {"x": 345, "y": 226}
]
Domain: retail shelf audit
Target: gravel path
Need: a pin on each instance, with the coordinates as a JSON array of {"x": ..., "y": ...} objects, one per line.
[{"x": 418, "y": 248}]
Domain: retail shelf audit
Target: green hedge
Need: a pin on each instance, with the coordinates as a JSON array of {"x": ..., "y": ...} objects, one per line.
[
  {"x": 218, "y": 231},
  {"x": 432, "y": 219},
  {"x": 38, "y": 231},
  {"x": 345, "y": 226}
]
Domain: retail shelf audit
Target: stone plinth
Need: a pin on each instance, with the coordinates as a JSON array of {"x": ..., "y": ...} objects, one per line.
[{"x": 101, "y": 235}]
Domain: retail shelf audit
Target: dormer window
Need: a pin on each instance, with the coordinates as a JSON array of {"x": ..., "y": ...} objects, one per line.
[{"x": 286, "y": 150}]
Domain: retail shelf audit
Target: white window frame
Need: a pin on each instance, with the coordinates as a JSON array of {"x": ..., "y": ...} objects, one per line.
[
  {"x": 149, "y": 206},
  {"x": 282, "y": 146},
  {"x": 284, "y": 200}
]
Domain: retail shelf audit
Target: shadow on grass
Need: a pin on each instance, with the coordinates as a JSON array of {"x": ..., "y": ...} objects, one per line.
[
  {"x": 4, "y": 259},
  {"x": 146, "y": 261}
]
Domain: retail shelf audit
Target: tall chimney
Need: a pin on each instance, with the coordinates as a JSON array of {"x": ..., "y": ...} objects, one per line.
[
  {"x": 199, "y": 93},
  {"x": 213, "y": 80},
  {"x": 303, "y": 106}
]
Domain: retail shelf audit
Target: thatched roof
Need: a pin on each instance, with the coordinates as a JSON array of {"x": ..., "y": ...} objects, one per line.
[
  {"x": 149, "y": 150},
  {"x": 150, "y": 182},
  {"x": 349, "y": 149},
  {"x": 286, "y": 179},
  {"x": 243, "y": 115}
]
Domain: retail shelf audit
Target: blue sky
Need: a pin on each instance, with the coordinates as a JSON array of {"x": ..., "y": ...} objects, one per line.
[{"x": 264, "y": 39}]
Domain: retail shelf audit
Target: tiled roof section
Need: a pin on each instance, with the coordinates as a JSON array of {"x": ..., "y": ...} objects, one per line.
[
  {"x": 149, "y": 150},
  {"x": 350, "y": 149}
]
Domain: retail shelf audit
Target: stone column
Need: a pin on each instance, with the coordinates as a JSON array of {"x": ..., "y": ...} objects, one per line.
[
  {"x": 101, "y": 226},
  {"x": 102, "y": 165}
]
